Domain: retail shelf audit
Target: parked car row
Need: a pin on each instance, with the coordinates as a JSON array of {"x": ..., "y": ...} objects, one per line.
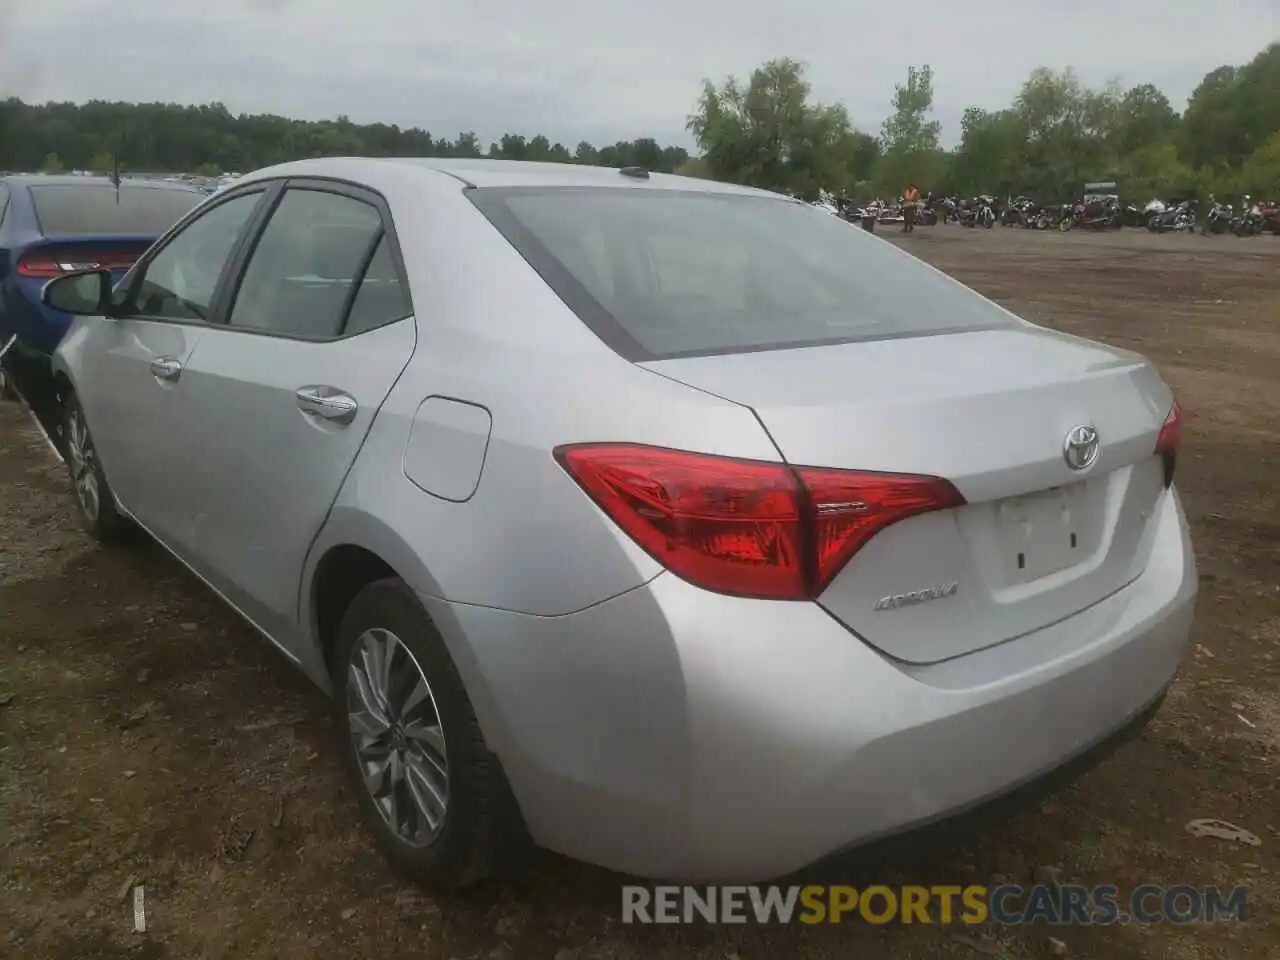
[{"x": 673, "y": 525}]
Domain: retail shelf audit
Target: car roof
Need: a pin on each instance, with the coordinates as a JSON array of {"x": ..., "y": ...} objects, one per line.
[
  {"x": 494, "y": 173},
  {"x": 64, "y": 180}
]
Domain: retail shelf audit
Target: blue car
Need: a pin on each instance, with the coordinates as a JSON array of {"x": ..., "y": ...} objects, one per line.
[{"x": 51, "y": 225}]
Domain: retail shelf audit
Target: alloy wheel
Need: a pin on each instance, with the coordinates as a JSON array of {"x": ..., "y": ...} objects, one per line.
[
  {"x": 82, "y": 459},
  {"x": 398, "y": 737}
]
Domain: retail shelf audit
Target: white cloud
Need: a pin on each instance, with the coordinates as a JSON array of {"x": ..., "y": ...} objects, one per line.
[{"x": 602, "y": 71}]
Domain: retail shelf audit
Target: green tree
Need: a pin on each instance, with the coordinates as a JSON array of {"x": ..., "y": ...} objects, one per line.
[
  {"x": 768, "y": 134},
  {"x": 991, "y": 156},
  {"x": 467, "y": 145},
  {"x": 159, "y": 137},
  {"x": 1143, "y": 117},
  {"x": 766, "y": 131},
  {"x": 1156, "y": 171},
  {"x": 1260, "y": 173},
  {"x": 908, "y": 137},
  {"x": 1068, "y": 130},
  {"x": 694, "y": 167},
  {"x": 1232, "y": 113},
  {"x": 102, "y": 163}
]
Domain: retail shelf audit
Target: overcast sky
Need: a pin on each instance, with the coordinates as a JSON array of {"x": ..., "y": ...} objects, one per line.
[{"x": 576, "y": 70}]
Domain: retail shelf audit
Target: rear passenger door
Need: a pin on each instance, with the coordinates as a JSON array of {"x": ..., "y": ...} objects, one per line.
[{"x": 278, "y": 398}]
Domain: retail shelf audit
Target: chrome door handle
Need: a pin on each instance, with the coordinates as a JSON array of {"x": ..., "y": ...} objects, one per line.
[
  {"x": 166, "y": 368},
  {"x": 327, "y": 403}
]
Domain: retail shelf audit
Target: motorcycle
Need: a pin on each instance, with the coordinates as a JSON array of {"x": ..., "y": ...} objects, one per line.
[
  {"x": 979, "y": 212},
  {"x": 1180, "y": 218},
  {"x": 1270, "y": 213},
  {"x": 1099, "y": 215},
  {"x": 987, "y": 211},
  {"x": 1218, "y": 219},
  {"x": 890, "y": 215},
  {"x": 1249, "y": 222},
  {"x": 1014, "y": 212},
  {"x": 1034, "y": 216},
  {"x": 947, "y": 208}
]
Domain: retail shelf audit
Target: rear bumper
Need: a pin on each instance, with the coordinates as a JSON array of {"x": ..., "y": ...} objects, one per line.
[
  {"x": 956, "y": 825},
  {"x": 674, "y": 733}
]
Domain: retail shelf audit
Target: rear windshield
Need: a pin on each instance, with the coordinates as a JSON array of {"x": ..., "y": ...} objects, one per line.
[
  {"x": 661, "y": 274},
  {"x": 93, "y": 210}
]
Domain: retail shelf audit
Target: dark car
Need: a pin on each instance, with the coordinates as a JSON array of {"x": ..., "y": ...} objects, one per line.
[{"x": 52, "y": 225}]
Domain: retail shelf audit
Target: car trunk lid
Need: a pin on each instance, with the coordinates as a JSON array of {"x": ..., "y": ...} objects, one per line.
[{"x": 1037, "y": 541}]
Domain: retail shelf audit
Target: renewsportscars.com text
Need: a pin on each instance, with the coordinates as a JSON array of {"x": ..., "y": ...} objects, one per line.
[{"x": 1007, "y": 905}]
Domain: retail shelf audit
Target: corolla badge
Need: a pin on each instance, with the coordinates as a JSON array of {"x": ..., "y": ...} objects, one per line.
[
  {"x": 897, "y": 600},
  {"x": 1080, "y": 448}
]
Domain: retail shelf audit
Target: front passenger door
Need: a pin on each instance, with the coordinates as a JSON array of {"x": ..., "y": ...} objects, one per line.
[{"x": 277, "y": 400}]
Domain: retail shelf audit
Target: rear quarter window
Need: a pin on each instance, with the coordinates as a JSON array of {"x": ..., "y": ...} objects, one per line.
[{"x": 98, "y": 210}]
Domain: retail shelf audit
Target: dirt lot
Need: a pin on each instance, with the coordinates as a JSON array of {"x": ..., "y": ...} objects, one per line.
[{"x": 147, "y": 736}]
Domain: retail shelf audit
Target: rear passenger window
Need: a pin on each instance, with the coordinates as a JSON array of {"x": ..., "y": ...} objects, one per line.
[
  {"x": 300, "y": 277},
  {"x": 381, "y": 297}
]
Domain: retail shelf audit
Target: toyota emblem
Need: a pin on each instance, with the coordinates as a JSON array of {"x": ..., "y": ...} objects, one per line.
[{"x": 1080, "y": 449}]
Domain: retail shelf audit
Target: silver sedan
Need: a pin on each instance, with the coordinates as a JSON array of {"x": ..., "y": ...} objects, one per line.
[{"x": 679, "y": 527}]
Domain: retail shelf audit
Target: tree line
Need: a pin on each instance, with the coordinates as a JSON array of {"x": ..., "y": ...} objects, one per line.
[
  {"x": 209, "y": 140},
  {"x": 1055, "y": 137},
  {"x": 765, "y": 131}
]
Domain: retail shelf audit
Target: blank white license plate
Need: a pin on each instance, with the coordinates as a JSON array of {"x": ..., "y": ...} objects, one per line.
[{"x": 1041, "y": 533}]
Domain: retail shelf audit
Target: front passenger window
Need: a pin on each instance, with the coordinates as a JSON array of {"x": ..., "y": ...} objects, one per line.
[
  {"x": 180, "y": 281},
  {"x": 300, "y": 277}
]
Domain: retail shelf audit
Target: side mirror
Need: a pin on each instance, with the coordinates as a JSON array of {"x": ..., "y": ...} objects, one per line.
[{"x": 84, "y": 293}]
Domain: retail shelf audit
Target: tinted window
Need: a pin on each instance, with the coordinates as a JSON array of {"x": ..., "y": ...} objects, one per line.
[
  {"x": 179, "y": 283},
  {"x": 662, "y": 274},
  {"x": 93, "y": 209},
  {"x": 381, "y": 297},
  {"x": 305, "y": 264}
]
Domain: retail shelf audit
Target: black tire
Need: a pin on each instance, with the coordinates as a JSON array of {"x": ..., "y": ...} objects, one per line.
[
  {"x": 480, "y": 829},
  {"x": 104, "y": 522}
]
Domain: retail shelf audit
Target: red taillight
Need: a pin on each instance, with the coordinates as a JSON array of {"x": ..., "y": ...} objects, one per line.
[
  {"x": 52, "y": 262},
  {"x": 745, "y": 527},
  {"x": 1169, "y": 440},
  {"x": 1171, "y": 431},
  {"x": 39, "y": 263}
]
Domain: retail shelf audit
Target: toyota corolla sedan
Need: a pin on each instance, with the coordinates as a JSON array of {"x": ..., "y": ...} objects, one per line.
[{"x": 677, "y": 526}]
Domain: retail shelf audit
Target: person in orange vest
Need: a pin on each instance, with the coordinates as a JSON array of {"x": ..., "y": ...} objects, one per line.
[{"x": 909, "y": 198}]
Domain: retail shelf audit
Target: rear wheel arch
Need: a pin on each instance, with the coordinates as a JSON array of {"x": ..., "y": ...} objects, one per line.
[
  {"x": 343, "y": 571},
  {"x": 348, "y": 562}
]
